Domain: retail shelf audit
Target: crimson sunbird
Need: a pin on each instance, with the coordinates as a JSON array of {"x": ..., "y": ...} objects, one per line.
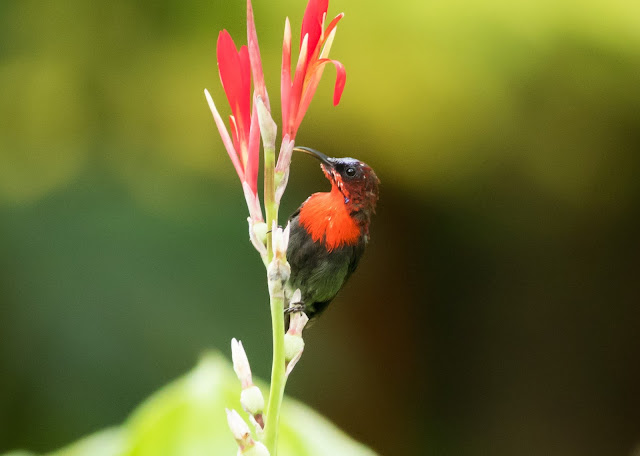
[{"x": 329, "y": 232}]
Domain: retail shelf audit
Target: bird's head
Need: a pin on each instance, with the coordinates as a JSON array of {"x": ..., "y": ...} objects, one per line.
[{"x": 355, "y": 180}]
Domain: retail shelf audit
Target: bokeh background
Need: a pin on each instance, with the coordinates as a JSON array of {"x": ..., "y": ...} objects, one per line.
[{"x": 496, "y": 309}]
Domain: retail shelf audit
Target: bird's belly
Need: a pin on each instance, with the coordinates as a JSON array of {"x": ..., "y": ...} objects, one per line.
[{"x": 321, "y": 282}]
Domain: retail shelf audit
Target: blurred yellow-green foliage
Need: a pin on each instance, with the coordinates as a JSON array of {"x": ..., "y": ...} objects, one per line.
[
  {"x": 187, "y": 417},
  {"x": 495, "y": 311}
]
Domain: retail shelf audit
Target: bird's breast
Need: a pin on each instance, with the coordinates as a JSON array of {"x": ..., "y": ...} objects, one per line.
[{"x": 326, "y": 217}]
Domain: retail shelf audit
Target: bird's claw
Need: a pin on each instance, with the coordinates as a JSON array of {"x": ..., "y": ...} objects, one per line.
[{"x": 294, "y": 307}]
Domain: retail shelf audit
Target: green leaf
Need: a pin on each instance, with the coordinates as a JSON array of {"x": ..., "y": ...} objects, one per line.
[{"x": 187, "y": 418}]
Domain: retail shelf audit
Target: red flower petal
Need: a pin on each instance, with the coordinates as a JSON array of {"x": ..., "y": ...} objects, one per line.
[
  {"x": 312, "y": 23},
  {"x": 341, "y": 80},
  {"x": 235, "y": 75},
  {"x": 332, "y": 25},
  {"x": 311, "y": 84},
  {"x": 285, "y": 77},
  {"x": 296, "y": 89}
]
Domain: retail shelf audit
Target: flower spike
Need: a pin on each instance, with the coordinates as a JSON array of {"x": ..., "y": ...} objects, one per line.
[{"x": 242, "y": 142}]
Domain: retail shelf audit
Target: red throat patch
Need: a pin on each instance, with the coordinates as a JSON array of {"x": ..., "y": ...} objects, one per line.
[{"x": 326, "y": 216}]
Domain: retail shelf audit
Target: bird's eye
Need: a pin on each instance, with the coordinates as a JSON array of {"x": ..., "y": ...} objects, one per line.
[{"x": 350, "y": 172}]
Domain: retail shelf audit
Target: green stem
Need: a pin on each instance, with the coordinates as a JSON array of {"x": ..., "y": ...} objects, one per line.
[
  {"x": 276, "y": 295},
  {"x": 278, "y": 377},
  {"x": 270, "y": 205}
]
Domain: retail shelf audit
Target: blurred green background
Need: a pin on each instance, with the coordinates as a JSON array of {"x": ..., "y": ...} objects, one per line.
[{"x": 496, "y": 309}]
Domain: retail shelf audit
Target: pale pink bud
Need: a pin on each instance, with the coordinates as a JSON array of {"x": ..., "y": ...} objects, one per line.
[
  {"x": 297, "y": 323},
  {"x": 296, "y": 297},
  {"x": 280, "y": 240},
  {"x": 253, "y": 202},
  {"x": 282, "y": 167},
  {"x": 241, "y": 363},
  {"x": 239, "y": 429}
]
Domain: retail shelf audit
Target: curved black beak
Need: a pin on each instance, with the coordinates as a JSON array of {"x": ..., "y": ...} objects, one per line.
[{"x": 319, "y": 155}]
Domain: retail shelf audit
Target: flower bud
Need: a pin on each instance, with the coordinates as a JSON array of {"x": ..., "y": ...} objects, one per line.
[
  {"x": 239, "y": 429},
  {"x": 296, "y": 297},
  {"x": 282, "y": 167},
  {"x": 280, "y": 240},
  {"x": 241, "y": 363},
  {"x": 291, "y": 364},
  {"x": 258, "y": 235},
  {"x": 268, "y": 127},
  {"x": 297, "y": 323},
  {"x": 253, "y": 202},
  {"x": 252, "y": 400},
  {"x": 293, "y": 345},
  {"x": 258, "y": 449}
]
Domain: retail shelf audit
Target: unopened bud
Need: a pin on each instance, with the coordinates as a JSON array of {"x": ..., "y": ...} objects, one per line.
[
  {"x": 258, "y": 449},
  {"x": 258, "y": 236},
  {"x": 297, "y": 323},
  {"x": 282, "y": 167},
  {"x": 253, "y": 202},
  {"x": 280, "y": 240},
  {"x": 239, "y": 429},
  {"x": 291, "y": 364},
  {"x": 296, "y": 297},
  {"x": 268, "y": 127},
  {"x": 241, "y": 363},
  {"x": 293, "y": 345},
  {"x": 252, "y": 400}
]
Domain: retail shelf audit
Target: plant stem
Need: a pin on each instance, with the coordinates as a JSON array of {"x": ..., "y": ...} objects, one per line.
[
  {"x": 276, "y": 295},
  {"x": 278, "y": 378},
  {"x": 270, "y": 206}
]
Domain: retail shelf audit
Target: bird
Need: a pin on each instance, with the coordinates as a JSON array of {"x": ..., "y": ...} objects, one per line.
[{"x": 329, "y": 233}]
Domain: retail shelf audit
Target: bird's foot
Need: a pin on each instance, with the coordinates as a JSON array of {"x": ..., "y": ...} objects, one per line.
[{"x": 294, "y": 307}]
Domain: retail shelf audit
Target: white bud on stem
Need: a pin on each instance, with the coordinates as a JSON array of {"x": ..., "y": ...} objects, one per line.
[
  {"x": 252, "y": 400},
  {"x": 280, "y": 240},
  {"x": 239, "y": 429},
  {"x": 258, "y": 449},
  {"x": 258, "y": 236},
  {"x": 293, "y": 344},
  {"x": 241, "y": 363}
]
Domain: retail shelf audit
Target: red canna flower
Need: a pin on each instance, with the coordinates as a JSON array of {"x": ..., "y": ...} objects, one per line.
[
  {"x": 315, "y": 44},
  {"x": 243, "y": 146}
]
